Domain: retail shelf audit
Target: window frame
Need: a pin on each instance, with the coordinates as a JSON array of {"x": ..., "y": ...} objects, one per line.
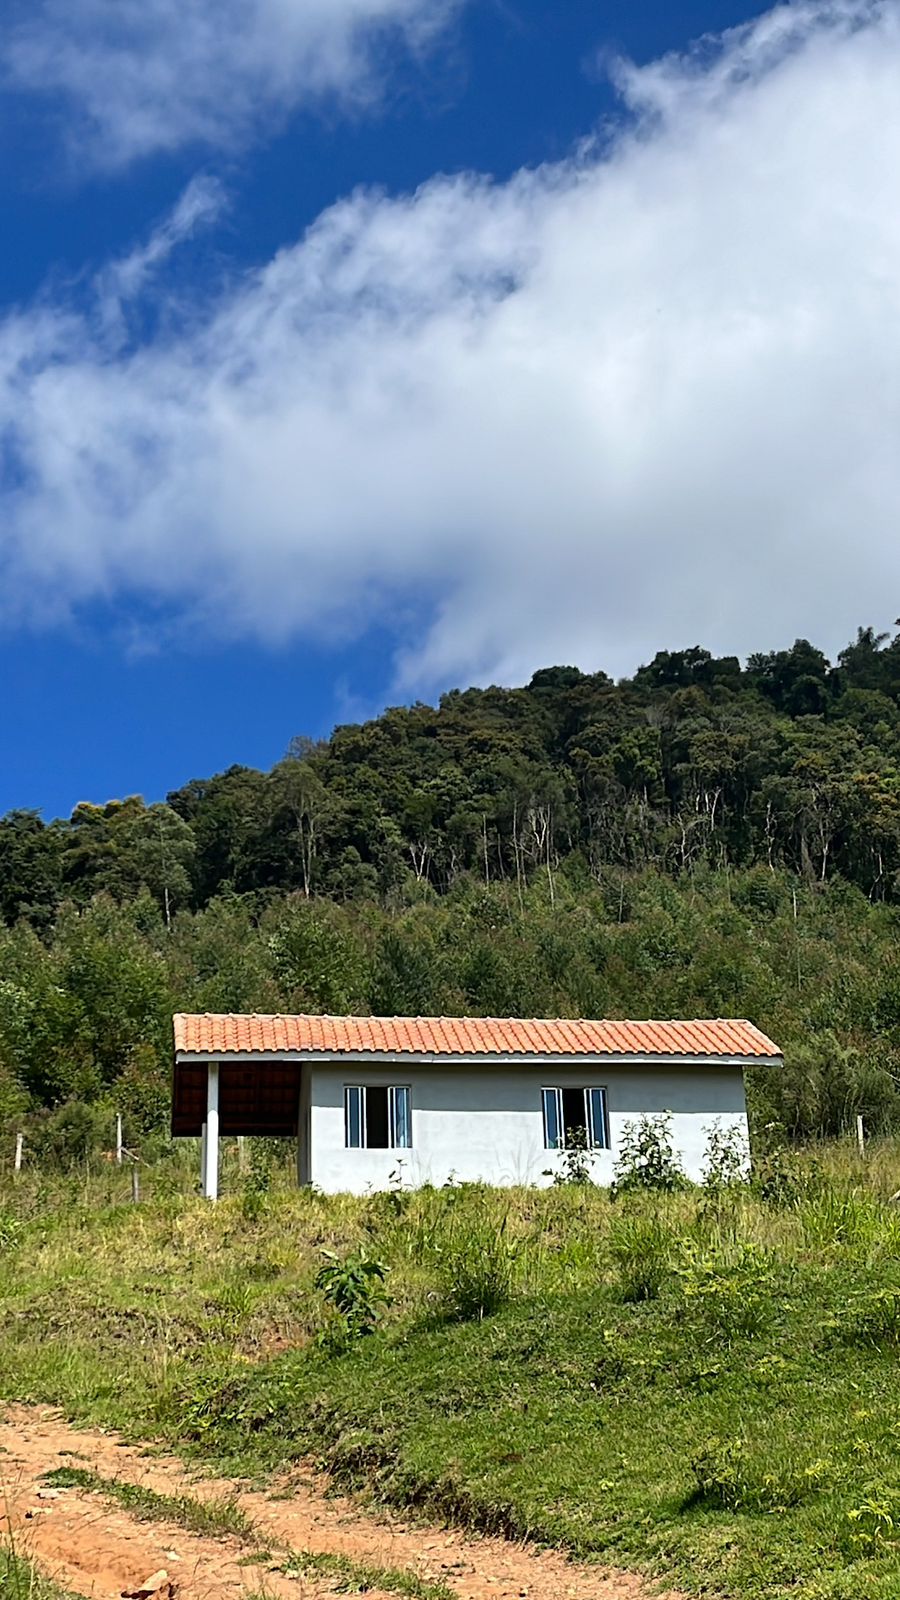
[
  {"x": 597, "y": 1138},
  {"x": 394, "y": 1091}
]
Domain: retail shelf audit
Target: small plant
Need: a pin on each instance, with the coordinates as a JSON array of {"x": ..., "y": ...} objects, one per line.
[
  {"x": 873, "y": 1525},
  {"x": 775, "y": 1179},
  {"x": 641, "y": 1247},
  {"x": 729, "y": 1478},
  {"x": 353, "y": 1288},
  {"x": 647, "y": 1158},
  {"x": 10, "y": 1229},
  {"x": 726, "y": 1160},
  {"x": 730, "y": 1298},
  {"x": 575, "y": 1165}
]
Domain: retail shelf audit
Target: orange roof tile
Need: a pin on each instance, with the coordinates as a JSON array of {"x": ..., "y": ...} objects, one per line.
[{"x": 209, "y": 1035}]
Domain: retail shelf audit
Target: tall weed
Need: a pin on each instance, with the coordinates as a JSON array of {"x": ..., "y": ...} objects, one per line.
[
  {"x": 642, "y": 1248},
  {"x": 476, "y": 1262}
]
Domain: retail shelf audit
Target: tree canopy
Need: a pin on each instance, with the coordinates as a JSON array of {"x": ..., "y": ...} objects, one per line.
[{"x": 704, "y": 837}]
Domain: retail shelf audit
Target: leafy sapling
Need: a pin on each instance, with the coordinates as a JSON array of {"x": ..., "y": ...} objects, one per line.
[
  {"x": 354, "y": 1289},
  {"x": 647, "y": 1158}
]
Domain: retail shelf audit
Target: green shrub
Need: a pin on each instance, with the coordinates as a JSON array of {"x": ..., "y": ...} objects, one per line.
[
  {"x": 575, "y": 1160},
  {"x": 730, "y": 1297},
  {"x": 647, "y": 1158},
  {"x": 775, "y": 1179},
  {"x": 726, "y": 1160},
  {"x": 353, "y": 1287},
  {"x": 641, "y": 1247},
  {"x": 70, "y": 1135},
  {"x": 257, "y": 1182}
]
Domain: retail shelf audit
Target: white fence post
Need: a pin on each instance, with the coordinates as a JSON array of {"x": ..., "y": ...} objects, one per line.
[
  {"x": 860, "y": 1136},
  {"x": 17, "y": 1163},
  {"x": 119, "y": 1138}
]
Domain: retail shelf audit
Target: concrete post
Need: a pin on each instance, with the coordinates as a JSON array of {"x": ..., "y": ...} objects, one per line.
[{"x": 211, "y": 1143}]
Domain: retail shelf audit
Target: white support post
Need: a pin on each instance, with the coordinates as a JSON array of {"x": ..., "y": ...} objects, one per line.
[
  {"x": 860, "y": 1136},
  {"x": 118, "y": 1138},
  {"x": 20, "y": 1140},
  {"x": 211, "y": 1146}
]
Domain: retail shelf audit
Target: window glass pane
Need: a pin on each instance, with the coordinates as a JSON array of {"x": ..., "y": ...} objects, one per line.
[
  {"x": 552, "y": 1119},
  {"x": 402, "y": 1123},
  {"x": 377, "y": 1130},
  {"x": 353, "y": 1132},
  {"x": 596, "y": 1104}
]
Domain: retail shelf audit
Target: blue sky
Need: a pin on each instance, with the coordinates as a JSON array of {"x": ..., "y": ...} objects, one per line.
[{"x": 299, "y": 417}]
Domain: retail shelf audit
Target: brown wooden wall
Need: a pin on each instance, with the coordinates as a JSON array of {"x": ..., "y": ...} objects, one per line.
[{"x": 258, "y": 1097}]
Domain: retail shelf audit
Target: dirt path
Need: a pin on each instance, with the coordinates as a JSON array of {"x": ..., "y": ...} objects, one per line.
[{"x": 98, "y": 1550}]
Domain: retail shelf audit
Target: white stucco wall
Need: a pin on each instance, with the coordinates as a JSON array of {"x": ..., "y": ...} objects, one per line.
[{"x": 470, "y": 1124}]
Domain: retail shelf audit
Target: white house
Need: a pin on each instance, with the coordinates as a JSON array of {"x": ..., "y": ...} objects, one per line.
[{"x": 436, "y": 1099}]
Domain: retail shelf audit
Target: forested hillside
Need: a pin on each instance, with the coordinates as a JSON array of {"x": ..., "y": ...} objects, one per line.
[{"x": 705, "y": 837}]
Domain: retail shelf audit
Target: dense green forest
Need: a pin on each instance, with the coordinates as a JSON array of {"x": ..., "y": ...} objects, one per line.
[{"x": 706, "y": 837}]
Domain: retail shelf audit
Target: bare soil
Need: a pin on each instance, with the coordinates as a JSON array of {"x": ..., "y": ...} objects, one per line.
[{"x": 95, "y": 1549}]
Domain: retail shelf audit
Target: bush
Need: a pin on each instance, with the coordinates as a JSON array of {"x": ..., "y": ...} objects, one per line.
[
  {"x": 71, "y": 1135},
  {"x": 353, "y": 1288},
  {"x": 641, "y": 1247},
  {"x": 647, "y": 1158},
  {"x": 733, "y": 1298},
  {"x": 727, "y": 1158},
  {"x": 575, "y": 1160},
  {"x": 257, "y": 1182}
]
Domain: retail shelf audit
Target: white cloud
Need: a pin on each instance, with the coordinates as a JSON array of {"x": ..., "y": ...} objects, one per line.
[
  {"x": 123, "y": 281},
  {"x": 646, "y": 398},
  {"x": 136, "y": 77}
]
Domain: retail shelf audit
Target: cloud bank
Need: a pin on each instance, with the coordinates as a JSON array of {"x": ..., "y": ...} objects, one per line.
[
  {"x": 647, "y": 397},
  {"x": 138, "y": 77}
]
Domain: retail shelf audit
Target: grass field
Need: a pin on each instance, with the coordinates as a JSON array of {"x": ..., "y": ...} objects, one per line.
[{"x": 704, "y": 1384}]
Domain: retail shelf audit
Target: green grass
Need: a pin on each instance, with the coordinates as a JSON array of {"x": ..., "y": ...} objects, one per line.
[
  {"x": 352, "y": 1576},
  {"x": 214, "y": 1519},
  {"x": 21, "y": 1580},
  {"x": 704, "y": 1387},
  {"x": 221, "y": 1517}
]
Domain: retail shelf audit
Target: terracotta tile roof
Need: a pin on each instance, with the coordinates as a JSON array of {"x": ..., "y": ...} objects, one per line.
[{"x": 222, "y": 1035}]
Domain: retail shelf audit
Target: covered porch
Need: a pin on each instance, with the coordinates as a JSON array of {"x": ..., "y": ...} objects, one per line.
[{"x": 212, "y": 1100}]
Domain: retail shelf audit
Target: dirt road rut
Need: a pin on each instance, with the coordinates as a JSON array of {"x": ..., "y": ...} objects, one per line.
[{"x": 95, "y": 1549}]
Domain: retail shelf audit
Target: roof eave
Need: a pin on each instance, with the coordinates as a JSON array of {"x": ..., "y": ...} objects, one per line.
[{"x": 491, "y": 1059}]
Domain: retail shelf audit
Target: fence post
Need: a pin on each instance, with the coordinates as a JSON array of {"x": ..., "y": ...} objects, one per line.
[
  {"x": 119, "y": 1138},
  {"x": 860, "y": 1136},
  {"x": 135, "y": 1183},
  {"x": 17, "y": 1163}
]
